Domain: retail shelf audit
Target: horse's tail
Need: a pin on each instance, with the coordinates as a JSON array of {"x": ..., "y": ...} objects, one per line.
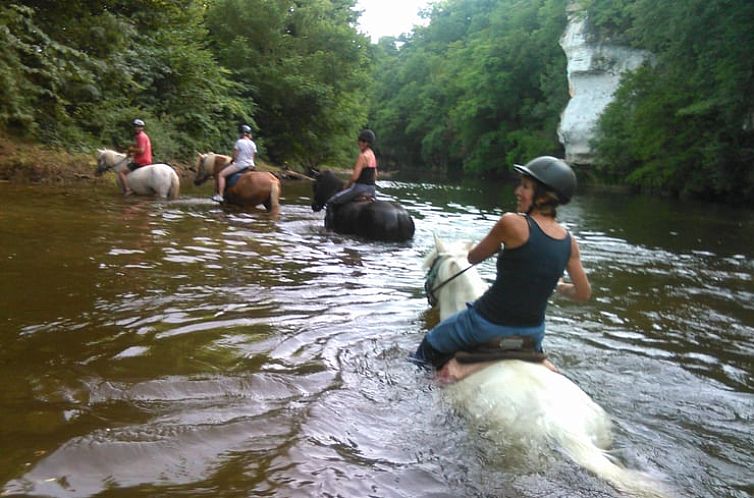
[
  {"x": 275, "y": 196},
  {"x": 632, "y": 482},
  {"x": 175, "y": 186},
  {"x": 504, "y": 393}
]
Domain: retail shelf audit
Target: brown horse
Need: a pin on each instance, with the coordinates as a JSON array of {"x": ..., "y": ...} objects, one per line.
[{"x": 252, "y": 188}]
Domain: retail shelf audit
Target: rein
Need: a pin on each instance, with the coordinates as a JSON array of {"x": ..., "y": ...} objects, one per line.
[
  {"x": 116, "y": 164},
  {"x": 432, "y": 273}
]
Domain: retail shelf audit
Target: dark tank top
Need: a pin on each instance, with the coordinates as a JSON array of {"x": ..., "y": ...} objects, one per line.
[
  {"x": 368, "y": 174},
  {"x": 526, "y": 278}
]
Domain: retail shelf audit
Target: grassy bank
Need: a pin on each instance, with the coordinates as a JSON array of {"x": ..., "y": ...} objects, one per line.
[
  {"x": 30, "y": 162},
  {"x": 23, "y": 161}
]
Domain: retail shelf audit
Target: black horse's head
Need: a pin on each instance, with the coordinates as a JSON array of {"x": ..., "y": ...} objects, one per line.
[{"x": 325, "y": 185}]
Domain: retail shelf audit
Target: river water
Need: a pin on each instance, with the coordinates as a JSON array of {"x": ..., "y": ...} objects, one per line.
[{"x": 179, "y": 349}]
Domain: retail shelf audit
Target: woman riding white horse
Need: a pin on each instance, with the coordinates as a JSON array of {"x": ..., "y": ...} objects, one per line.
[
  {"x": 524, "y": 404},
  {"x": 154, "y": 179},
  {"x": 536, "y": 250}
]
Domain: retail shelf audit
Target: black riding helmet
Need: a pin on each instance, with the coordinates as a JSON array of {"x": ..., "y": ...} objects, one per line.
[
  {"x": 245, "y": 129},
  {"x": 367, "y": 136},
  {"x": 553, "y": 173}
]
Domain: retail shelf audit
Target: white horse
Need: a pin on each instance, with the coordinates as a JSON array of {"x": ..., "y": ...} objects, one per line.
[
  {"x": 154, "y": 179},
  {"x": 526, "y": 403}
]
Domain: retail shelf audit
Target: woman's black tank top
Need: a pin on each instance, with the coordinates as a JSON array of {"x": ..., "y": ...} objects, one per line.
[{"x": 526, "y": 278}]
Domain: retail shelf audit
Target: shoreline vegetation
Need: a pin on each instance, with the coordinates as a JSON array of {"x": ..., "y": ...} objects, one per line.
[
  {"x": 28, "y": 162},
  {"x": 31, "y": 162}
]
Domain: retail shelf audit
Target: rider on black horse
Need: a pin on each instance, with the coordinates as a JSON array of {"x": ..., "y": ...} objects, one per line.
[{"x": 363, "y": 177}]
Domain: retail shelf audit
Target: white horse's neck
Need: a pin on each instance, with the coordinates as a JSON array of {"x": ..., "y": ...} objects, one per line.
[{"x": 455, "y": 291}]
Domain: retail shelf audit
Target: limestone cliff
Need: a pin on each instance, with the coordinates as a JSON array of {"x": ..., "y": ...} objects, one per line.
[{"x": 594, "y": 72}]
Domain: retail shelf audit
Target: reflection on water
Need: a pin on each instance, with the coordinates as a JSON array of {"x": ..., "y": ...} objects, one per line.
[{"x": 177, "y": 348}]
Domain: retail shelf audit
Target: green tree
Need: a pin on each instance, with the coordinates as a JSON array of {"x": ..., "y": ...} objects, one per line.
[
  {"x": 76, "y": 73},
  {"x": 305, "y": 67},
  {"x": 481, "y": 86},
  {"x": 684, "y": 123}
]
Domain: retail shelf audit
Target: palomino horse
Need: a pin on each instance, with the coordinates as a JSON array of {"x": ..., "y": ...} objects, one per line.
[
  {"x": 252, "y": 188},
  {"x": 154, "y": 179},
  {"x": 371, "y": 219},
  {"x": 524, "y": 402}
]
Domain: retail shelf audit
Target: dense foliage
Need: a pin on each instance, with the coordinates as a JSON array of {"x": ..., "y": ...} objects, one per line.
[
  {"x": 481, "y": 86},
  {"x": 685, "y": 123},
  {"x": 77, "y": 72},
  {"x": 304, "y": 66}
]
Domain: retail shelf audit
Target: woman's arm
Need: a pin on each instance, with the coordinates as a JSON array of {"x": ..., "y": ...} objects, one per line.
[
  {"x": 580, "y": 289},
  {"x": 357, "y": 167},
  {"x": 505, "y": 231}
]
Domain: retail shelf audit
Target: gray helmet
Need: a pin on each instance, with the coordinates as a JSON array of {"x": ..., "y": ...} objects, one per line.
[
  {"x": 138, "y": 122},
  {"x": 553, "y": 173},
  {"x": 244, "y": 129},
  {"x": 367, "y": 136}
]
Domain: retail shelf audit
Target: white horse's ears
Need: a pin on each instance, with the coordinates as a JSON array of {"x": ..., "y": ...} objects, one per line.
[{"x": 439, "y": 245}]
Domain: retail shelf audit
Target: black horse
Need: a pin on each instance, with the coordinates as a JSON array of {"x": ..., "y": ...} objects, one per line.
[{"x": 371, "y": 219}]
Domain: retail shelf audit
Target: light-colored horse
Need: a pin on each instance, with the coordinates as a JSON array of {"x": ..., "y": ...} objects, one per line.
[
  {"x": 522, "y": 402},
  {"x": 154, "y": 179},
  {"x": 252, "y": 189}
]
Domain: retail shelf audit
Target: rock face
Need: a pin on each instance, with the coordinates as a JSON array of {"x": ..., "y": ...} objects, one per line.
[{"x": 594, "y": 72}]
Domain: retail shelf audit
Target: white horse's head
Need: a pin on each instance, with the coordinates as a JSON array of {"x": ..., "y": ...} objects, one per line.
[
  {"x": 451, "y": 280},
  {"x": 109, "y": 159}
]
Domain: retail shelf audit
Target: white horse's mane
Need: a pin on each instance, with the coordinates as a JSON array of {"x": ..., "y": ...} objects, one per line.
[{"x": 109, "y": 153}]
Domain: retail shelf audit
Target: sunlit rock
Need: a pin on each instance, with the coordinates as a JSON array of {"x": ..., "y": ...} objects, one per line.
[{"x": 594, "y": 71}]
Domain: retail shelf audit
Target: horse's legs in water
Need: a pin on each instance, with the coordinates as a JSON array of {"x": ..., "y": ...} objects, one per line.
[{"x": 123, "y": 182}]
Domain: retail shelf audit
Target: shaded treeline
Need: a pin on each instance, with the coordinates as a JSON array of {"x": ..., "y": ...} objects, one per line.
[
  {"x": 483, "y": 84},
  {"x": 77, "y": 72},
  {"x": 684, "y": 124},
  {"x": 480, "y": 87}
]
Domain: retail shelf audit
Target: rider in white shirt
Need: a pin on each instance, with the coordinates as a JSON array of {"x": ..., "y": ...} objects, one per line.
[{"x": 243, "y": 158}]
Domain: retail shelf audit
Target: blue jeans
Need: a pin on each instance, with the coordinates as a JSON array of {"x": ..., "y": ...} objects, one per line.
[
  {"x": 465, "y": 330},
  {"x": 351, "y": 192}
]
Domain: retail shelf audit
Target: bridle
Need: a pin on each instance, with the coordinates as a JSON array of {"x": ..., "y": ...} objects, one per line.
[
  {"x": 103, "y": 166},
  {"x": 430, "y": 288}
]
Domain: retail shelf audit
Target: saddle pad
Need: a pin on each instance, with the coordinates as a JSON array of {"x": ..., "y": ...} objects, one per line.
[
  {"x": 233, "y": 179},
  {"x": 483, "y": 355}
]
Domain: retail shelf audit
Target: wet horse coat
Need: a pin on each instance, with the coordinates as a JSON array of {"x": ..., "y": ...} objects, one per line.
[
  {"x": 526, "y": 403},
  {"x": 153, "y": 179},
  {"x": 371, "y": 219},
  {"x": 252, "y": 188}
]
